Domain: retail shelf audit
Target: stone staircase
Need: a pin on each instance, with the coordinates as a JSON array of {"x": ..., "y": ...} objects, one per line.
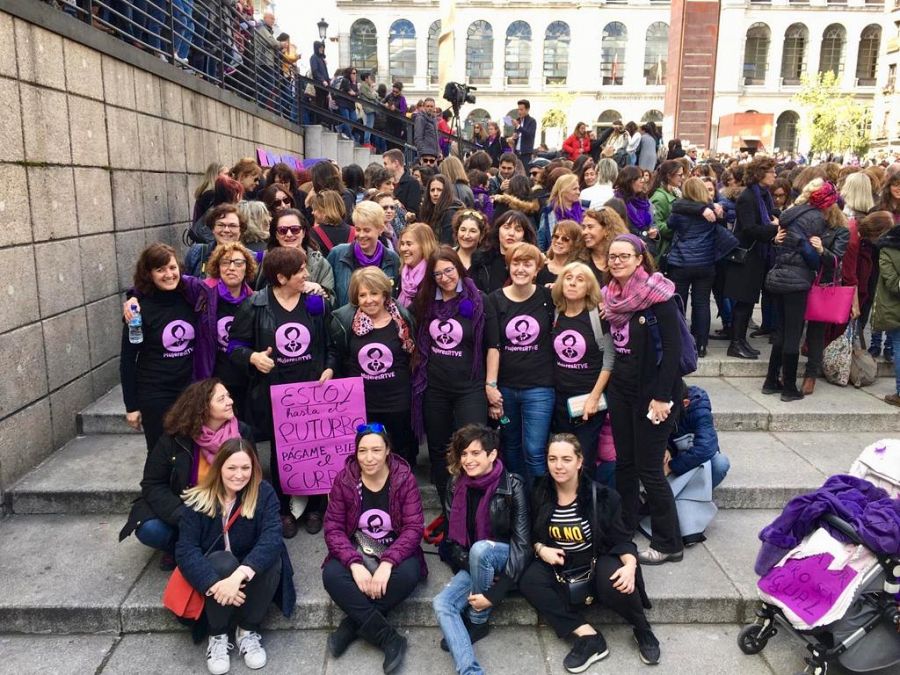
[
  {"x": 62, "y": 569},
  {"x": 319, "y": 142}
]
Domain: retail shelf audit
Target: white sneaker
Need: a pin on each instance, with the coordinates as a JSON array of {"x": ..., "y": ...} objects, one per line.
[
  {"x": 250, "y": 646},
  {"x": 217, "y": 660}
]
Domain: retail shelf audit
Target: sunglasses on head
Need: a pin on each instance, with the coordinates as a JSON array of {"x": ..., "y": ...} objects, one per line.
[
  {"x": 370, "y": 428},
  {"x": 293, "y": 229}
]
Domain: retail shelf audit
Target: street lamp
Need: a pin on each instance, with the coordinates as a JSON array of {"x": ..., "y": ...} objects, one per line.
[{"x": 323, "y": 28}]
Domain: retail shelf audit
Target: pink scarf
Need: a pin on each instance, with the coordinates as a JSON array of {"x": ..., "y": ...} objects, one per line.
[
  {"x": 362, "y": 325},
  {"x": 209, "y": 441},
  {"x": 410, "y": 280},
  {"x": 641, "y": 291}
]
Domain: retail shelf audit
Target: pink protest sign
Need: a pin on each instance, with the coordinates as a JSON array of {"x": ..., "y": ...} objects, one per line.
[
  {"x": 806, "y": 586},
  {"x": 315, "y": 425}
]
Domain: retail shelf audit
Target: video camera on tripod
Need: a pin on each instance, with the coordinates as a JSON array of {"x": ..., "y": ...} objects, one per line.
[{"x": 459, "y": 94}]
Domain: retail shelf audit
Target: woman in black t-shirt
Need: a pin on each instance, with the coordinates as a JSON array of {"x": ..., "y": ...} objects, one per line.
[
  {"x": 448, "y": 375},
  {"x": 566, "y": 246},
  {"x": 280, "y": 335},
  {"x": 519, "y": 377},
  {"x": 584, "y": 357},
  {"x": 575, "y": 521},
  {"x": 374, "y": 338}
]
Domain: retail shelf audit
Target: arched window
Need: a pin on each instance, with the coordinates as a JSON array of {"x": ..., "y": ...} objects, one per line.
[
  {"x": 518, "y": 52},
  {"x": 607, "y": 117},
  {"x": 478, "y": 116},
  {"x": 654, "y": 116},
  {"x": 363, "y": 45},
  {"x": 480, "y": 52},
  {"x": 793, "y": 55},
  {"x": 656, "y": 53},
  {"x": 434, "y": 32},
  {"x": 612, "y": 53},
  {"x": 508, "y": 127},
  {"x": 867, "y": 55},
  {"x": 556, "y": 53},
  {"x": 831, "y": 56},
  {"x": 786, "y": 131},
  {"x": 756, "y": 54},
  {"x": 402, "y": 51}
]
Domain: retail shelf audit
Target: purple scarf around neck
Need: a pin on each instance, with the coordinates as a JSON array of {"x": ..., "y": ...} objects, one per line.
[
  {"x": 638, "y": 211},
  {"x": 226, "y": 296},
  {"x": 364, "y": 260},
  {"x": 459, "y": 517},
  {"x": 575, "y": 212},
  {"x": 764, "y": 203}
]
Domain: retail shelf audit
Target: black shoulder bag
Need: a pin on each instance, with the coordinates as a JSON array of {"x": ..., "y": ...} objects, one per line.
[{"x": 579, "y": 581}]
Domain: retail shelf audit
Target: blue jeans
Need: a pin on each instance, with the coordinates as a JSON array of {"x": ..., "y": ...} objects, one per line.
[
  {"x": 157, "y": 534},
  {"x": 893, "y": 338},
  {"x": 486, "y": 560},
  {"x": 524, "y": 439},
  {"x": 719, "y": 464},
  {"x": 350, "y": 115},
  {"x": 183, "y": 27},
  {"x": 877, "y": 337},
  {"x": 154, "y": 23},
  {"x": 370, "y": 123}
]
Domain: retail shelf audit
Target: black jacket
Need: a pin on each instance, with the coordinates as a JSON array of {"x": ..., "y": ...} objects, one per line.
[
  {"x": 743, "y": 282},
  {"x": 509, "y": 524},
  {"x": 317, "y": 65},
  {"x": 488, "y": 271},
  {"x": 795, "y": 259},
  {"x": 167, "y": 473},
  {"x": 409, "y": 192}
]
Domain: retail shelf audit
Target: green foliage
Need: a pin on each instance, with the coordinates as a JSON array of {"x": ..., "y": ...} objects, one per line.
[
  {"x": 835, "y": 121},
  {"x": 554, "y": 119}
]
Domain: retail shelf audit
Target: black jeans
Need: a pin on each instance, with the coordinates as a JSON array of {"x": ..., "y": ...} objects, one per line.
[
  {"x": 815, "y": 343},
  {"x": 740, "y": 320},
  {"x": 640, "y": 446},
  {"x": 339, "y": 584},
  {"x": 398, "y": 425},
  {"x": 259, "y": 591},
  {"x": 445, "y": 410},
  {"x": 547, "y": 596},
  {"x": 588, "y": 433},
  {"x": 788, "y": 329},
  {"x": 152, "y": 414},
  {"x": 699, "y": 280}
]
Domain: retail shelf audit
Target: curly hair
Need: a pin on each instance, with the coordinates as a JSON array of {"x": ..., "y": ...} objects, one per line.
[
  {"x": 190, "y": 411},
  {"x": 223, "y": 250},
  {"x": 756, "y": 170},
  {"x": 464, "y": 437}
]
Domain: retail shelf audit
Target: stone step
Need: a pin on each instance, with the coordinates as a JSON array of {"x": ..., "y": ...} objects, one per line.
[
  {"x": 767, "y": 469},
  {"x": 120, "y": 585},
  {"x": 312, "y": 140},
  {"x": 345, "y": 151},
  {"x": 329, "y": 144},
  {"x": 362, "y": 157}
]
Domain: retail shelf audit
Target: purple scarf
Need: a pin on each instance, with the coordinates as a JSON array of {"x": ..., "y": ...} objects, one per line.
[
  {"x": 764, "y": 203},
  {"x": 483, "y": 202},
  {"x": 638, "y": 211},
  {"x": 410, "y": 280},
  {"x": 467, "y": 303},
  {"x": 576, "y": 212},
  {"x": 364, "y": 260},
  {"x": 459, "y": 517},
  {"x": 226, "y": 296}
]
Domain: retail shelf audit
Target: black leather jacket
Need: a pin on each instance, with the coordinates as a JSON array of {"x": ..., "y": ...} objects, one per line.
[{"x": 509, "y": 524}]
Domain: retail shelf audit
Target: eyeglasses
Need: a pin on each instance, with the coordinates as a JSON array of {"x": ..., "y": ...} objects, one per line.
[
  {"x": 439, "y": 274},
  {"x": 620, "y": 257},
  {"x": 293, "y": 229},
  {"x": 534, "y": 174},
  {"x": 287, "y": 201},
  {"x": 227, "y": 226},
  {"x": 561, "y": 237},
  {"x": 236, "y": 262},
  {"x": 371, "y": 428},
  {"x": 389, "y": 207}
]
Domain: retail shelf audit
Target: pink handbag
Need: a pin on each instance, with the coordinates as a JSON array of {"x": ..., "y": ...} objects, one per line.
[{"x": 830, "y": 303}]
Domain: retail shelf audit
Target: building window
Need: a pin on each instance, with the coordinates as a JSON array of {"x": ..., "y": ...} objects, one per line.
[
  {"x": 518, "y": 52},
  {"x": 654, "y": 116},
  {"x": 756, "y": 54},
  {"x": 831, "y": 56},
  {"x": 656, "y": 53},
  {"x": 363, "y": 45},
  {"x": 477, "y": 116},
  {"x": 786, "y": 131},
  {"x": 793, "y": 55},
  {"x": 556, "y": 53},
  {"x": 867, "y": 56},
  {"x": 402, "y": 51},
  {"x": 607, "y": 117},
  {"x": 480, "y": 52},
  {"x": 434, "y": 33},
  {"x": 612, "y": 53},
  {"x": 891, "y": 79}
]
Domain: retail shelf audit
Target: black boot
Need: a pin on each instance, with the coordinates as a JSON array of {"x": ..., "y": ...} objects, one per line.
[
  {"x": 790, "y": 393},
  {"x": 736, "y": 349},
  {"x": 772, "y": 385},
  {"x": 750, "y": 348},
  {"x": 343, "y": 637},
  {"x": 377, "y": 631}
]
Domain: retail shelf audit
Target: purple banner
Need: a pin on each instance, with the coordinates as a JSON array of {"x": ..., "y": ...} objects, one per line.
[{"x": 806, "y": 586}]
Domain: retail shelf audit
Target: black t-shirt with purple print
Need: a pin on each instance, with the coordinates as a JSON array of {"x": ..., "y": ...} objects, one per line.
[
  {"x": 522, "y": 333},
  {"x": 225, "y": 369},
  {"x": 578, "y": 358},
  {"x": 375, "y": 515},
  {"x": 378, "y": 358},
  {"x": 452, "y": 349},
  {"x": 165, "y": 364},
  {"x": 292, "y": 354}
]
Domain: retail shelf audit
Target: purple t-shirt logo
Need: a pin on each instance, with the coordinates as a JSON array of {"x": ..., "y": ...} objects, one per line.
[
  {"x": 375, "y": 358},
  {"x": 223, "y": 329},
  {"x": 375, "y": 523},
  {"x": 177, "y": 336},
  {"x": 292, "y": 339},
  {"x": 570, "y": 346},
  {"x": 446, "y": 334},
  {"x": 522, "y": 330},
  {"x": 620, "y": 337}
]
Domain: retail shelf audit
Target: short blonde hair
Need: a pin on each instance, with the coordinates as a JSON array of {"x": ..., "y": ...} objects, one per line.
[
  {"x": 593, "y": 297},
  {"x": 372, "y": 278},
  {"x": 369, "y": 213},
  {"x": 524, "y": 251},
  {"x": 222, "y": 250},
  {"x": 424, "y": 237},
  {"x": 695, "y": 190}
]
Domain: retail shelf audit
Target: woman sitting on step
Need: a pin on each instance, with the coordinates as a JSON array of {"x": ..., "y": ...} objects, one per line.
[
  {"x": 373, "y": 526},
  {"x": 196, "y": 426},
  {"x": 230, "y": 550}
]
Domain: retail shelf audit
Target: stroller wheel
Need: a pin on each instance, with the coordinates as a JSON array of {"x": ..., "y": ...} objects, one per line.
[{"x": 750, "y": 641}]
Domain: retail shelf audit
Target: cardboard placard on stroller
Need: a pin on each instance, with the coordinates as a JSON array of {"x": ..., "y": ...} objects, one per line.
[{"x": 806, "y": 586}]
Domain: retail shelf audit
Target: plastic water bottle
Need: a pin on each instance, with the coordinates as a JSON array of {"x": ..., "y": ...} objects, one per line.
[{"x": 135, "y": 327}]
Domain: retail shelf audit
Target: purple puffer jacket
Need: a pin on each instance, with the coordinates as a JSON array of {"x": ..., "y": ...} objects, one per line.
[{"x": 345, "y": 507}]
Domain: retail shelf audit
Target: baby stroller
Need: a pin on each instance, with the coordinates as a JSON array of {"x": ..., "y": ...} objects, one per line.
[{"x": 829, "y": 565}]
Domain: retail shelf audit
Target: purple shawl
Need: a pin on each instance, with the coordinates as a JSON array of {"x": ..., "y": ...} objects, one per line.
[
  {"x": 640, "y": 215},
  {"x": 576, "y": 212},
  {"x": 459, "y": 517}
]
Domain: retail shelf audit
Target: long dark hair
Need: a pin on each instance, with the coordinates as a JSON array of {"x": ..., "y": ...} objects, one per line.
[
  {"x": 326, "y": 176},
  {"x": 665, "y": 170},
  {"x": 433, "y": 214},
  {"x": 625, "y": 180},
  {"x": 268, "y": 197},
  {"x": 887, "y": 201},
  {"x": 282, "y": 170},
  {"x": 425, "y": 296},
  {"x": 492, "y": 240}
]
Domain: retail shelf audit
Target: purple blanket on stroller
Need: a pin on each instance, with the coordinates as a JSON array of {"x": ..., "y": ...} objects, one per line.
[{"x": 874, "y": 516}]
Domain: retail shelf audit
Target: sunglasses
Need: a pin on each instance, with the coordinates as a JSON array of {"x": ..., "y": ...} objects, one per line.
[
  {"x": 371, "y": 428},
  {"x": 293, "y": 229},
  {"x": 287, "y": 201},
  {"x": 561, "y": 237},
  {"x": 428, "y": 160}
]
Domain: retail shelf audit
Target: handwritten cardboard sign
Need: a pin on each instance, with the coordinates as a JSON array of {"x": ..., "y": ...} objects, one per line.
[
  {"x": 315, "y": 425},
  {"x": 806, "y": 586}
]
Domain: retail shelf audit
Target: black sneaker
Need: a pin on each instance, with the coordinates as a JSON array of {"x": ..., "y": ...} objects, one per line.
[
  {"x": 476, "y": 631},
  {"x": 586, "y": 651},
  {"x": 648, "y": 646}
]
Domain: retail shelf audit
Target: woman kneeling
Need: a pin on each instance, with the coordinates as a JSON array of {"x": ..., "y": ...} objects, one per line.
[
  {"x": 488, "y": 541},
  {"x": 230, "y": 549},
  {"x": 373, "y": 526},
  {"x": 578, "y": 523}
]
